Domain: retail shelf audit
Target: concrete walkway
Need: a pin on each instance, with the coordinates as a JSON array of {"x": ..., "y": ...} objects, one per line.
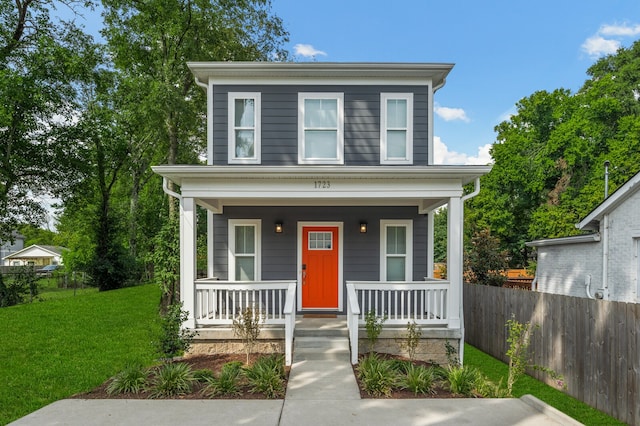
[{"x": 321, "y": 391}]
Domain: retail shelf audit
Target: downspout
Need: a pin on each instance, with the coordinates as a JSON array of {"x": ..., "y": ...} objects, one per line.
[
  {"x": 464, "y": 198},
  {"x": 587, "y": 286},
  {"x": 165, "y": 188},
  {"x": 605, "y": 258},
  {"x": 205, "y": 86},
  {"x": 534, "y": 282}
]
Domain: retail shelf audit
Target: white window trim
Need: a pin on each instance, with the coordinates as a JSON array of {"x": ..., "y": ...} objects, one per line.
[
  {"x": 384, "y": 97},
  {"x": 340, "y": 143},
  {"x": 257, "y": 223},
  {"x": 231, "y": 145},
  {"x": 408, "y": 272}
]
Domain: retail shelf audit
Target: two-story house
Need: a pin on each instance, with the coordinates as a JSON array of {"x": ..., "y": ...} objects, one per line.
[{"x": 320, "y": 187}]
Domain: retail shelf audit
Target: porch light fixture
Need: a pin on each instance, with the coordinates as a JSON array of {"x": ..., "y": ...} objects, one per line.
[
  {"x": 363, "y": 227},
  {"x": 278, "y": 227}
]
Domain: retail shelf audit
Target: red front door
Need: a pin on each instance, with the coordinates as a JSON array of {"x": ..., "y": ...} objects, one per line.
[{"x": 320, "y": 267}]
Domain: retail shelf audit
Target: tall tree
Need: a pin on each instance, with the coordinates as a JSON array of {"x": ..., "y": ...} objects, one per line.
[
  {"x": 42, "y": 65},
  {"x": 150, "y": 44},
  {"x": 548, "y": 159}
]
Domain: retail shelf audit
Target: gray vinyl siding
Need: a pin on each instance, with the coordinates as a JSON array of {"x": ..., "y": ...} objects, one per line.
[
  {"x": 361, "y": 122},
  {"x": 361, "y": 252}
]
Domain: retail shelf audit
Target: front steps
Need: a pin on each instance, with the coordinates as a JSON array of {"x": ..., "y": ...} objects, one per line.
[{"x": 321, "y": 368}]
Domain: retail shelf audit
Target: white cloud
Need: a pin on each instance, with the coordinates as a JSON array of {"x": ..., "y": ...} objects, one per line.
[
  {"x": 307, "y": 50},
  {"x": 597, "y": 46},
  {"x": 451, "y": 114},
  {"x": 444, "y": 156},
  {"x": 607, "y": 40},
  {"x": 620, "y": 30}
]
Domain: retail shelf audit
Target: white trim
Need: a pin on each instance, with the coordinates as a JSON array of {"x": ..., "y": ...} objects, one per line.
[
  {"x": 340, "y": 226},
  {"x": 408, "y": 266},
  {"x": 231, "y": 128},
  {"x": 384, "y": 98},
  {"x": 257, "y": 223},
  {"x": 577, "y": 239},
  {"x": 339, "y": 98},
  {"x": 636, "y": 257},
  {"x": 625, "y": 191}
]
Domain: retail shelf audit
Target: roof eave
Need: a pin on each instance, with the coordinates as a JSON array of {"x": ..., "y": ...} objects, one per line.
[{"x": 436, "y": 72}]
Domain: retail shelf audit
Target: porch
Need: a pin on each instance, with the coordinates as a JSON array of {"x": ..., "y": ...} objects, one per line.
[{"x": 432, "y": 304}]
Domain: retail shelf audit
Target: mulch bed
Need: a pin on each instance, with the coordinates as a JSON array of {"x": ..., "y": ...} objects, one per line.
[
  {"x": 200, "y": 362},
  {"x": 215, "y": 363},
  {"x": 440, "y": 391}
]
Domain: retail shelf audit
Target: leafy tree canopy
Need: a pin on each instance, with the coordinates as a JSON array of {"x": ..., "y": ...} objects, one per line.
[
  {"x": 548, "y": 158},
  {"x": 42, "y": 64}
]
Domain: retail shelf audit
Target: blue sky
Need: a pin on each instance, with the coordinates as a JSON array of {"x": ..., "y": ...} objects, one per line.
[{"x": 503, "y": 51}]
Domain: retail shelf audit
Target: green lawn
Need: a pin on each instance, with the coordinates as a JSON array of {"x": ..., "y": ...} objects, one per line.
[
  {"x": 495, "y": 369},
  {"x": 66, "y": 345}
]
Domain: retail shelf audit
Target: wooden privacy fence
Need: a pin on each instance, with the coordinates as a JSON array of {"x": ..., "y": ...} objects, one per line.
[{"x": 594, "y": 344}]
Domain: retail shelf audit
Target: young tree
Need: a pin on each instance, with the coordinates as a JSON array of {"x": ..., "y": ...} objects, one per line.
[{"x": 485, "y": 262}]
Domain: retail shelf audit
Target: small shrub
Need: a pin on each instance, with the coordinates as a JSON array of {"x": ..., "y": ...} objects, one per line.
[
  {"x": 227, "y": 383},
  {"x": 373, "y": 325},
  {"x": 488, "y": 389},
  {"x": 266, "y": 376},
  {"x": 203, "y": 375},
  {"x": 172, "y": 379},
  {"x": 462, "y": 380},
  {"x": 133, "y": 379},
  {"x": 419, "y": 380},
  {"x": 377, "y": 375},
  {"x": 412, "y": 339},
  {"x": 174, "y": 340},
  {"x": 400, "y": 365},
  {"x": 247, "y": 326},
  {"x": 519, "y": 357}
]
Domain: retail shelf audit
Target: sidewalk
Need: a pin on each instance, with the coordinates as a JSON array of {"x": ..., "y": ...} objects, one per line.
[{"x": 321, "y": 391}]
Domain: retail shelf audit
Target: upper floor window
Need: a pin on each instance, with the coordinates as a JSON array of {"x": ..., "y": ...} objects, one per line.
[
  {"x": 320, "y": 128},
  {"x": 396, "y": 128},
  {"x": 244, "y": 128},
  {"x": 396, "y": 250}
]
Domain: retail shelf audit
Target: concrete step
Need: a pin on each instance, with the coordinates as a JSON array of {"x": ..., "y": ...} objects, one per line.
[
  {"x": 321, "y": 349},
  {"x": 315, "y": 327},
  {"x": 321, "y": 332}
]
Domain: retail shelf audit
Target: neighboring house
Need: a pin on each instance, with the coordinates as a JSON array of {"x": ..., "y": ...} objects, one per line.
[
  {"x": 320, "y": 189},
  {"x": 9, "y": 247},
  {"x": 604, "y": 264},
  {"x": 36, "y": 255}
]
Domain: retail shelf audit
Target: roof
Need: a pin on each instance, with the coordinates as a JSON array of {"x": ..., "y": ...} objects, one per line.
[
  {"x": 592, "y": 220},
  {"x": 52, "y": 250},
  {"x": 588, "y": 238},
  {"x": 310, "y": 71}
]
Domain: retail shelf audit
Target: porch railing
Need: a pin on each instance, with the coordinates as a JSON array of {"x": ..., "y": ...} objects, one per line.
[
  {"x": 220, "y": 302},
  {"x": 401, "y": 302}
]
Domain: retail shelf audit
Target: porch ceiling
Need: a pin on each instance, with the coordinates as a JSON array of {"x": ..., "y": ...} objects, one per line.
[{"x": 426, "y": 187}]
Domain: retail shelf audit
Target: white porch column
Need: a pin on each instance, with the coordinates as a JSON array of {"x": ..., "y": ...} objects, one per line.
[
  {"x": 210, "y": 244},
  {"x": 188, "y": 258},
  {"x": 454, "y": 260},
  {"x": 430, "y": 243}
]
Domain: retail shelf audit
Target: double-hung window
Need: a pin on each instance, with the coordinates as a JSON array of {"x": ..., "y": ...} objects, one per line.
[
  {"x": 396, "y": 128},
  {"x": 244, "y": 128},
  {"x": 244, "y": 250},
  {"x": 396, "y": 250},
  {"x": 321, "y": 128}
]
